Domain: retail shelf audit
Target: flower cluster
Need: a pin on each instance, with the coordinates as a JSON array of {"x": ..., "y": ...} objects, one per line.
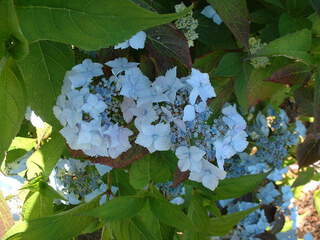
[
  {"x": 257, "y": 62},
  {"x": 170, "y": 113},
  {"x": 187, "y": 24},
  {"x": 272, "y": 136},
  {"x": 209, "y": 12},
  {"x": 78, "y": 180}
]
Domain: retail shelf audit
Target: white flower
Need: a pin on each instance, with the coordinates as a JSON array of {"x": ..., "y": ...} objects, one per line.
[
  {"x": 224, "y": 150},
  {"x": 35, "y": 120},
  {"x": 102, "y": 169},
  {"x": 209, "y": 175},
  {"x": 128, "y": 108},
  {"x": 169, "y": 84},
  {"x": 178, "y": 122},
  {"x": 119, "y": 140},
  {"x": 189, "y": 158},
  {"x": 119, "y": 65},
  {"x": 177, "y": 201},
  {"x": 232, "y": 118},
  {"x": 137, "y": 41},
  {"x": 134, "y": 83},
  {"x": 95, "y": 193},
  {"x": 239, "y": 140},
  {"x": 189, "y": 113},
  {"x": 277, "y": 174},
  {"x": 83, "y": 73},
  {"x": 155, "y": 137},
  {"x": 152, "y": 95},
  {"x": 209, "y": 12},
  {"x": 94, "y": 105},
  {"x": 145, "y": 115},
  {"x": 201, "y": 86}
]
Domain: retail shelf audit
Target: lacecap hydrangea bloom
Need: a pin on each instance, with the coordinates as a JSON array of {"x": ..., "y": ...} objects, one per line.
[
  {"x": 168, "y": 112},
  {"x": 78, "y": 181}
]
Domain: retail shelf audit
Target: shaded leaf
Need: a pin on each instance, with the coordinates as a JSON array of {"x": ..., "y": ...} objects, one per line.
[
  {"x": 88, "y": 25},
  {"x": 150, "y": 168},
  {"x": 300, "y": 44},
  {"x": 170, "y": 214},
  {"x": 169, "y": 47},
  {"x": 235, "y": 15},
  {"x": 289, "y": 24},
  {"x": 12, "y": 104},
  {"x": 304, "y": 177},
  {"x": 44, "y": 159},
  {"x": 308, "y": 152},
  {"x": 118, "y": 208},
  {"x": 43, "y": 71},
  {"x": 230, "y": 65},
  {"x": 12, "y": 41}
]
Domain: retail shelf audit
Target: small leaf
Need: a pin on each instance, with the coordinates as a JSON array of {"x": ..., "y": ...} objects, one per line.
[
  {"x": 304, "y": 177},
  {"x": 229, "y": 65},
  {"x": 235, "y": 14},
  {"x": 300, "y": 44},
  {"x": 118, "y": 208},
  {"x": 221, "y": 226},
  {"x": 43, "y": 70},
  {"x": 308, "y": 152},
  {"x": 88, "y": 25},
  {"x": 170, "y": 214},
  {"x": 12, "y": 41},
  {"x": 44, "y": 159}
]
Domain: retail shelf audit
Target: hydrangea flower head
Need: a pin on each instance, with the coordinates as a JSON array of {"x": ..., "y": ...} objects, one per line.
[{"x": 189, "y": 158}]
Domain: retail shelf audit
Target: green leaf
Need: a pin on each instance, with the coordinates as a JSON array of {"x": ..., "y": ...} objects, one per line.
[
  {"x": 19, "y": 147},
  {"x": 304, "y": 177},
  {"x": 88, "y": 25},
  {"x": 169, "y": 47},
  {"x": 232, "y": 187},
  {"x": 39, "y": 203},
  {"x": 316, "y": 5},
  {"x": 120, "y": 179},
  {"x": 300, "y": 44},
  {"x": 316, "y": 196},
  {"x": 44, "y": 159},
  {"x": 170, "y": 214},
  {"x": 118, "y": 208},
  {"x": 230, "y": 65},
  {"x": 43, "y": 71},
  {"x": 64, "y": 225},
  {"x": 235, "y": 15},
  {"x": 241, "y": 86},
  {"x": 221, "y": 226},
  {"x": 12, "y": 104},
  {"x": 276, "y": 3},
  {"x": 12, "y": 41},
  {"x": 289, "y": 24},
  {"x": 199, "y": 216},
  {"x": 150, "y": 168}
]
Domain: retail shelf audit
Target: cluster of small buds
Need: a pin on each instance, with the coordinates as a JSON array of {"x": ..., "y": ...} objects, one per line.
[
  {"x": 254, "y": 46},
  {"x": 170, "y": 113},
  {"x": 77, "y": 180},
  {"x": 187, "y": 24}
]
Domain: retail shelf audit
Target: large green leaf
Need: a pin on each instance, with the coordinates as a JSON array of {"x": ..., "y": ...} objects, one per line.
[
  {"x": 119, "y": 208},
  {"x": 230, "y": 65},
  {"x": 87, "y": 24},
  {"x": 44, "y": 159},
  {"x": 19, "y": 147},
  {"x": 39, "y": 203},
  {"x": 237, "y": 187},
  {"x": 152, "y": 167},
  {"x": 62, "y": 226},
  {"x": 12, "y": 41},
  {"x": 236, "y": 16},
  {"x": 43, "y": 71},
  {"x": 221, "y": 226},
  {"x": 12, "y": 104},
  {"x": 170, "y": 214},
  {"x": 300, "y": 44}
]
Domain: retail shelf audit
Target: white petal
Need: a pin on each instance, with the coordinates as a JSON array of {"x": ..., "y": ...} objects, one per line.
[
  {"x": 138, "y": 40},
  {"x": 189, "y": 113}
]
